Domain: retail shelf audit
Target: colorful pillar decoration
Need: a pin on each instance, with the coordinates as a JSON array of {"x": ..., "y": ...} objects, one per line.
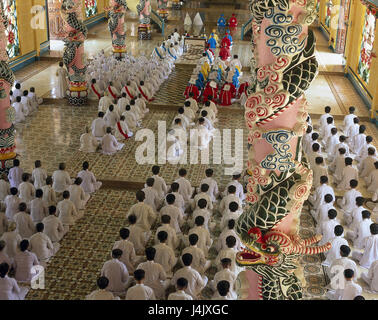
[
  {"x": 73, "y": 56},
  {"x": 162, "y": 9},
  {"x": 280, "y": 179},
  {"x": 144, "y": 12},
  {"x": 117, "y": 27},
  {"x": 7, "y": 114}
]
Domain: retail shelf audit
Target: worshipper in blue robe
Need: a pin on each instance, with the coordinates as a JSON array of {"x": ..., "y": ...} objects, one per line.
[
  {"x": 221, "y": 21},
  {"x": 212, "y": 42}
]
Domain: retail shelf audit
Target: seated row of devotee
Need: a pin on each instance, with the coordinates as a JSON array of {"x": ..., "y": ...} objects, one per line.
[
  {"x": 170, "y": 242},
  {"x": 37, "y": 211},
  {"x": 350, "y": 223},
  {"x": 23, "y": 102}
]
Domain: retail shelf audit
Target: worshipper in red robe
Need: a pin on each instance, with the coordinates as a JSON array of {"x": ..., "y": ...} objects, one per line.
[
  {"x": 211, "y": 90},
  {"x": 226, "y": 42},
  {"x": 224, "y": 53},
  {"x": 243, "y": 89},
  {"x": 227, "y": 93},
  {"x": 191, "y": 87},
  {"x": 233, "y": 22}
]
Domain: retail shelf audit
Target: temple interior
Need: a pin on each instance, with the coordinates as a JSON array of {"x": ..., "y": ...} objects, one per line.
[{"x": 346, "y": 55}]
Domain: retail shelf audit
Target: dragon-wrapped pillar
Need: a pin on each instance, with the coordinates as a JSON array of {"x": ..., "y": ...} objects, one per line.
[
  {"x": 117, "y": 27},
  {"x": 73, "y": 56},
  {"x": 144, "y": 12},
  {"x": 162, "y": 9},
  {"x": 7, "y": 114},
  {"x": 280, "y": 178}
]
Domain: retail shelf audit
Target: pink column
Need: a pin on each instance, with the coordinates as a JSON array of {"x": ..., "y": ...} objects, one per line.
[
  {"x": 280, "y": 178},
  {"x": 117, "y": 26},
  {"x": 7, "y": 114},
  {"x": 144, "y": 12},
  {"x": 73, "y": 56}
]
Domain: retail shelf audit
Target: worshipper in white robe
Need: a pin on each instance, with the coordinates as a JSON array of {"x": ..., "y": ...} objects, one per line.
[
  {"x": 371, "y": 277},
  {"x": 25, "y": 226},
  {"x": 370, "y": 247},
  {"x": 239, "y": 188},
  {"x": 327, "y": 227},
  {"x": 201, "y": 210},
  {"x": 229, "y": 252},
  {"x": 141, "y": 104},
  {"x": 9, "y": 289},
  {"x": 61, "y": 179},
  {"x": 348, "y": 202},
  {"x": 185, "y": 123},
  {"x": 26, "y": 189},
  {"x": 202, "y": 195},
  {"x": 361, "y": 231},
  {"x": 228, "y": 231},
  {"x": 336, "y": 243},
  {"x": 15, "y": 174},
  {"x": 95, "y": 92},
  {"x": 109, "y": 143},
  {"x": 326, "y": 130},
  {"x": 185, "y": 187},
  {"x": 199, "y": 262},
  {"x": 165, "y": 254},
  {"x": 159, "y": 185},
  {"x": 116, "y": 272},
  {"x": 17, "y": 92},
  {"x": 337, "y": 165},
  {"x": 27, "y": 103},
  {"x": 77, "y": 194},
  {"x": 196, "y": 282},
  {"x": 23, "y": 263},
  {"x": 89, "y": 182},
  {"x": 12, "y": 240},
  {"x": 130, "y": 119},
  {"x": 129, "y": 257},
  {"x": 54, "y": 228},
  {"x": 4, "y": 187},
  {"x": 322, "y": 213},
  {"x": 349, "y": 172},
  {"x": 111, "y": 117},
  {"x": 49, "y": 195},
  {"x": 364, "y": 151},
  {"x": 151, "y": 195},
  {"x": 180, "y": 294},
  {"x": 372, "y": 179},
  {"x": 12, "y": 203},
  {"x": 323, "y": 117},
  {"x": 122, "y": 103},
  {"x": 233, "y": 213},
  {"x": 208, "y": 122},
  {"x": 34, "y": 98},
  {"x": 140, "y": 291},
  {"x": 188, "y": 111},
  {"x": 179, "y": 199},
  {"x": 145, "y": 92},
  {"x": 230, "y": 197},
  {"x": 348, "y": 119},
  {"x": 173, "y": 240},
  {"x": 355, "y": 217},
  {"x": 137, "y": 236},
  {"x": 352, "y": 131},
  {"x": 367, "y": 165},
  {"x": 331, "y": 143},
  {"x": 203, "y": 234},
  {"x": 98, "y": 126},
  {"x": 38, "y": 207},
  {"x": 41, "y": 245},
  {"x": 351, "y": 289},
  {"x": 105, "y": 102},
  {"x": 62, "y": 85},
  {"x": 177, "y": 217},
  {"x": 213, "y": 191},
  {"x": 201, "y": 134},
  {"x": 88, "y": 142},
  {"x": 144, "y": 213},
  {"x": 113, "y": 91},
  {"x": 137, "y": 111},
  {"x": 3, "y": 223},
  {"x": 225, "y": 275},
  {"x": 320, "y": 169},
  {"x": 67, "y": 212},
  {"x": 155, "y": 276},
  {"x": 102, "y": 293},
  {"x": 39, "y": 175},
  {"x": 122, "y": 131},
  {"x": 129, "y": 91},
  {"x": 358, "y": 141}
]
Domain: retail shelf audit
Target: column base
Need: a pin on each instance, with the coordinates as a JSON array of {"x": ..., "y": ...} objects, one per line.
[
  {"x": 144, "y": 32},
  {"x": 77, "y": 98},
  {"x": 177, "y": 5}
]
